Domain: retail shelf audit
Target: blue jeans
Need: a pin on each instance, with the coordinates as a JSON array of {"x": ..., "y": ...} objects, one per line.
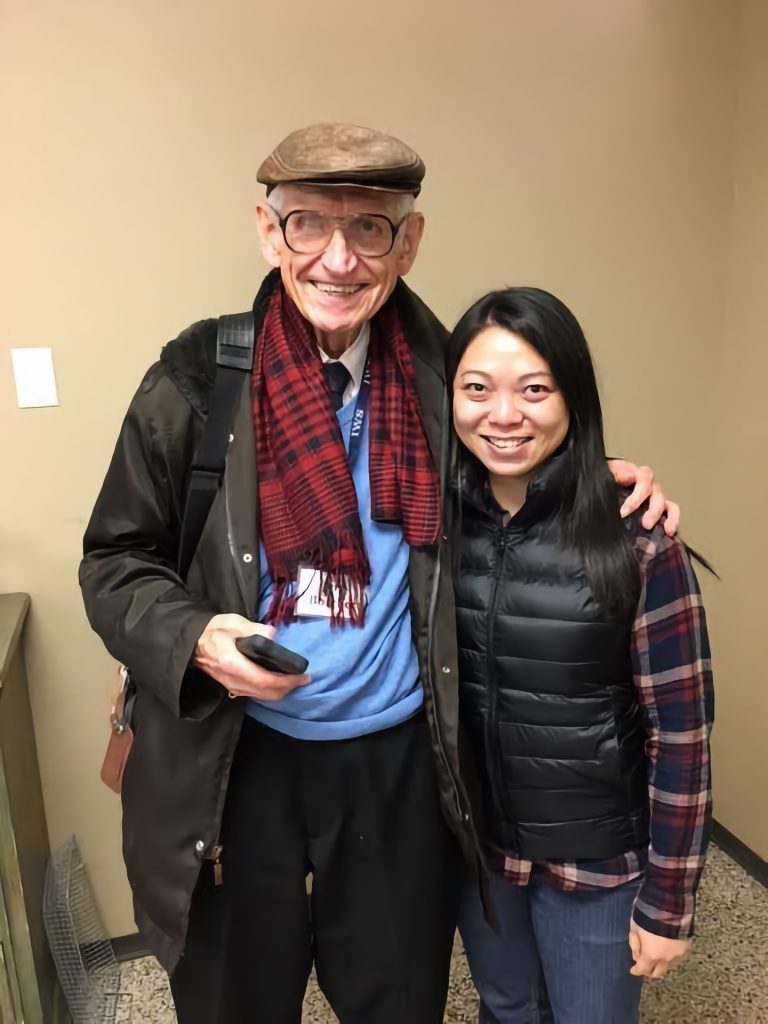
[{"x": 559, "y": 957}]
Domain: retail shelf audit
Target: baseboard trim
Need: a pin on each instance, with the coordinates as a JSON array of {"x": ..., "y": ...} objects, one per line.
[
  {"x": 752, "y": 862},
  {"x": 129, "y": 947}
]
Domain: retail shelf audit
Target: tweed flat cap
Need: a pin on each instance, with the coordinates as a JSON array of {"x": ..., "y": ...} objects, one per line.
[{"x": 343, "y": 154}]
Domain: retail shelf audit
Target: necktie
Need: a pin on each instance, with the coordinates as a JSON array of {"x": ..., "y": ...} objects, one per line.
[{"x": 337, "y": 377}]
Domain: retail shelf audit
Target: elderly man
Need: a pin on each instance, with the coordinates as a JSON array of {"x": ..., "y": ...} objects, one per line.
[{"x": 327, "y": 528}]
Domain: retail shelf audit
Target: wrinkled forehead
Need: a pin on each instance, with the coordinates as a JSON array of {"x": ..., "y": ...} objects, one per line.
[{"x": 336, "y": 199}]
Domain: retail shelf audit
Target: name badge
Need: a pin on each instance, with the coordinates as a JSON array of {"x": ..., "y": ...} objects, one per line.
[{"x": 311, "y": 603}]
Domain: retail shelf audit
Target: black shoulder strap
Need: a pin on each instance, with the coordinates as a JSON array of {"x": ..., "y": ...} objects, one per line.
[{"x": 234, "y": 356}]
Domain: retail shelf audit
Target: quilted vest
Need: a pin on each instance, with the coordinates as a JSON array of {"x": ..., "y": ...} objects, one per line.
[{"x": 546, "y": 692}]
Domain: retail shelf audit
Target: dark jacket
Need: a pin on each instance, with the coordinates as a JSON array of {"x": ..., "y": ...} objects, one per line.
[
  {"x": 186, "y": 730},
  {"x": 546, "y": 690}
]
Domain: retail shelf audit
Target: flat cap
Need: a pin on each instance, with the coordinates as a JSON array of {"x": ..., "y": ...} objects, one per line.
[{"x": 343, "y": 154}]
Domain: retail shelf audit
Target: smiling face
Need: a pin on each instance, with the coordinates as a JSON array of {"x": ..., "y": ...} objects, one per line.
[
  {"x": 507, "y": 408},
  {"x": 335, "y": 289}
]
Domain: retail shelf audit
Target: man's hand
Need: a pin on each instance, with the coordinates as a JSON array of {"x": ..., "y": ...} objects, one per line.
[
  {"x": 217, "y": 655},
  {"x": 654, "y": 955},
  {"x": 641, "y": 478}
]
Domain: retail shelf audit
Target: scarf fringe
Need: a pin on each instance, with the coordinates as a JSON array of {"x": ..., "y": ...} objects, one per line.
[
  {"x": 342, "y": 588},
  {"x": 340, "y": 591}
]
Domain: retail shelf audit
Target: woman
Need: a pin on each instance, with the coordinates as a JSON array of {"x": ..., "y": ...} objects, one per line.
[{"x": 585, "y": 683}]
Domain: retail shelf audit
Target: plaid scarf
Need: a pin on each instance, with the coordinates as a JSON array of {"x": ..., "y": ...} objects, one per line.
[{"x": 307, "y": 501}]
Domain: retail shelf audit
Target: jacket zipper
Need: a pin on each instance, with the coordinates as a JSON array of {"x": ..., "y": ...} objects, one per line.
[
  {"x": 232, "y": 551},
  {"x": 238, "y": 569},
  {"x": 444, "y": 471},
  {"x": 215, "y": 857},
  {"x": 492, "y": 744},
  {"x": 217, "y": 849},
  {"x": 463, "y": 816}
]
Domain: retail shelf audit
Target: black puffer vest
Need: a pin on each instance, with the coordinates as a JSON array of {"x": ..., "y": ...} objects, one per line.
[{"x": 546, "y": 691}]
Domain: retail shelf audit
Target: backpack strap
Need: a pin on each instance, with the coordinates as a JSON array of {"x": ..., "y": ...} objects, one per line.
[{"x": 234, "y": 357}]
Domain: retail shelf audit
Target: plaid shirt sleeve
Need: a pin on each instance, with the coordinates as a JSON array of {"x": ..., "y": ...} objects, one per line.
[{"x": 673, "y": 676}]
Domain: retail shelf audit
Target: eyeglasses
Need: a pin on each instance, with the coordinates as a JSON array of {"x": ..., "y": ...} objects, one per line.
[{"x": 367, "y": 234}]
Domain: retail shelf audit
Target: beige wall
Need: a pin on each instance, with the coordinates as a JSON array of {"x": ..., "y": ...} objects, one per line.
[
  {"x": 739, "y": 481},
  {"x": 583, "y": 147}
]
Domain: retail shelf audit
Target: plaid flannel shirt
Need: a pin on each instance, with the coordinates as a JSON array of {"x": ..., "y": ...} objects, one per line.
[{"x": 673, "y": 676}]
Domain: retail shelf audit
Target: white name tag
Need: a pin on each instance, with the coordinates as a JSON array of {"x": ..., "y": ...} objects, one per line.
[{"x": 311, "y": 603}]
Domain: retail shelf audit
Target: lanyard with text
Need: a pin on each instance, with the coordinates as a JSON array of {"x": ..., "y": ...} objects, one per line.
[
  {"x": 361, "y": 412},
  {"x": 312, "y": 601}
]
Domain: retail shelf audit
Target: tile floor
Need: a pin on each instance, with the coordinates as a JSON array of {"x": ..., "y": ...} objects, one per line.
[{"x": 724, "y": 981}]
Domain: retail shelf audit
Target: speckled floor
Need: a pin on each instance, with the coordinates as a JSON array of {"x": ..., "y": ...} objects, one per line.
[{"x": 724, "y": 981}]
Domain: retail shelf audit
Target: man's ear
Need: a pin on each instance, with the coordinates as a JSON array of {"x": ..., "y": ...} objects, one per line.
[
  {"x": 270, "y": 235},
  {"x": 412, "y": 231}
]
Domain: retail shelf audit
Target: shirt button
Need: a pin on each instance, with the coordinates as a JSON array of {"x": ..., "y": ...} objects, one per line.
[
  {"x": 247, "y": 558},
  {"x": 446, "y": 669}
]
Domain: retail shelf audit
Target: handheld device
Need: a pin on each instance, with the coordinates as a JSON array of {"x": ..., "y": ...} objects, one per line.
[{"x": 271, "y": 656}]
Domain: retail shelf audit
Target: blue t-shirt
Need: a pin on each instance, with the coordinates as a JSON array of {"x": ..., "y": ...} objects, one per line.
[{"x": 363, "y": 680}]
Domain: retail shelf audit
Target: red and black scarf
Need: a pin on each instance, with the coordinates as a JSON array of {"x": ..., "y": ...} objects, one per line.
[{"x": 307, "y": 501}]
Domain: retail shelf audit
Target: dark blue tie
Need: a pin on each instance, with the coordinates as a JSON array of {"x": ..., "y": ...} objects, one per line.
[{"x": 337, "y": 377}]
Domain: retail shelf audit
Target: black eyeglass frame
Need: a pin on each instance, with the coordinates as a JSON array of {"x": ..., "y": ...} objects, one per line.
[{"x": 394, "y": 228}]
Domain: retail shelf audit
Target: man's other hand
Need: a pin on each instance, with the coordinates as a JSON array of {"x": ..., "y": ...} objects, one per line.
[
  {"x": 645, "y": 489},
  {"x": 217, "y": 655}
]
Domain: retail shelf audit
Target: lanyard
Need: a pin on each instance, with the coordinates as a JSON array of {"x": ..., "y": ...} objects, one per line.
[{"x": 361, "y": 413}]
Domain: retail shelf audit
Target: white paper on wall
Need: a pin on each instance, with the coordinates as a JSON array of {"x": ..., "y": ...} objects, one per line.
[{"x": 35, "y": 382}]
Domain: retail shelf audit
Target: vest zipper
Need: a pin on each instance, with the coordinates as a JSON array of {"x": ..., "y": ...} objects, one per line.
[{"x": 494, "y": 759}]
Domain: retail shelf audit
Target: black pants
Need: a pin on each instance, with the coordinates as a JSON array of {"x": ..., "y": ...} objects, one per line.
[{"x": 362, "y": 817}]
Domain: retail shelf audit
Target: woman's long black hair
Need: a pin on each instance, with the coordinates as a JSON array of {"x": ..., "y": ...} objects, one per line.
[{"x": 587, "y": 510}]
